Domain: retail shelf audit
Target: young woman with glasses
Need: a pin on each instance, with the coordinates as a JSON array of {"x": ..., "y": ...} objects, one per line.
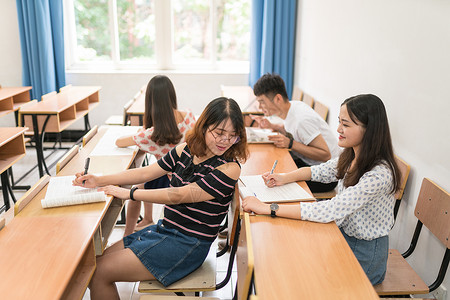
[{"x": 204, "y": 170}]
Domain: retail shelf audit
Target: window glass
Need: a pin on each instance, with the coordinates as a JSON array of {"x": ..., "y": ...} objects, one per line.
[
  {"x": 92, "y": 28},
  {"x": 136, "y": 24},
  {"x": 233, "y": 30},
  {"x": 191, "y": 30}
]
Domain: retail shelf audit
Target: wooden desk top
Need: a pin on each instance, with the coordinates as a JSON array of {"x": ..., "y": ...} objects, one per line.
[
  {"x": 243, "y": 95},
  {"x": 10, "y": 154},
  {"x": 298, "y": 259},
  {"x": 38, "y": 254},
  {"x": 61, "y": 101},
  {"x": 9, "y": 133},
  {"x": 138, "y": 107},
  {"x": 6, "y": 92}
]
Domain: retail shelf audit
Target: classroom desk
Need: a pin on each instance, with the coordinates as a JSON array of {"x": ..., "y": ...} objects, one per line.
[
  {"x": 298, "y": 259},
  {"x": 12, "y": 149},
  {"x": 246, "y": 99},
  {"x": 57, "y": 113},
  {"x": 12, "y": 98},
  {"x": 135, "y": 113},
  {"x": 50, "y": 253}
]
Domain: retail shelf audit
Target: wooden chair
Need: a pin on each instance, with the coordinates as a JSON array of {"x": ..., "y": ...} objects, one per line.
[
  {"x": 48, "y": 96},
  {"x": 125, "y": 109},
  {"x": 204, "y": 278},
  {"x": 321, "y": 109},
  {"x": 66, "y": 158},
  {"x": 308, "y": 99},
  {"x": 65, "y": 88},
  {"x": 162, "y": 297},
  {"x": 245, "y": 261},
  {"x": 297, "y": 93},
  {"x": 325, "y": 195},
  {"x": 433, "y": 205},
  {"x": 30, "y": 194},
  {"x": 404, "y": 171},
  {"x": 88, "y": 136}
]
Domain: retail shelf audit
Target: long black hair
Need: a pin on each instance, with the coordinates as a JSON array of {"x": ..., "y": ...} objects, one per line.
[
  {"x": 376, "y": 145},
  {"x": 160, "y": 103}
]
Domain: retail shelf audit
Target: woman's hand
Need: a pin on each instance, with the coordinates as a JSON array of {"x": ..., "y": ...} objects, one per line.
[
  {"x": 116, "y": 191},
  {"x": 252, "y": 204},
  {"x": 274, "y": 179},
  {"x": 87, "y": 181}
]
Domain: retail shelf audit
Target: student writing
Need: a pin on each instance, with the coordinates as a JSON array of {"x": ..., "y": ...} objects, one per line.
[
  {"x": 204, "y": 170},
  {"x": 368, "y": 178}
]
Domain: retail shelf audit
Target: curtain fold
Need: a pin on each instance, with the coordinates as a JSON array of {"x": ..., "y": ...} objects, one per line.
[
  {"x": 273, "y": 40},
  {"x": 42, "y": 45}
]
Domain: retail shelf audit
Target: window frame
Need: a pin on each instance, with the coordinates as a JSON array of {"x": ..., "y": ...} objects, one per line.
[{"x": 163, "y": 44}]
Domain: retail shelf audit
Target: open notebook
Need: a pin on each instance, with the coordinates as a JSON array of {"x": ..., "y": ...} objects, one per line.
[
  {"x": 61, "y": 192},
  {"x": 254, "y": 186},
  {"x": 258, "y": 135}
]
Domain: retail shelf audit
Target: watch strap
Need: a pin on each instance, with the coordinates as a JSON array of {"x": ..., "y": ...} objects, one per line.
[{"x": 132, "y": 192}]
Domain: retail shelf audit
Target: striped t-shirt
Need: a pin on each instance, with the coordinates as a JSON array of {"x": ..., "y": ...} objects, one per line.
[{"x": 200, "y": 219}]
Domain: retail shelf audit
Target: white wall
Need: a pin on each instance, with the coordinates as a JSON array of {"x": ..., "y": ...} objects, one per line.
[{"x": 400, "y": 51}]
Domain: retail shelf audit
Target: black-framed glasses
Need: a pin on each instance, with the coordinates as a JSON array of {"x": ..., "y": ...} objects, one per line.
[{"x": 234, "y": 139}]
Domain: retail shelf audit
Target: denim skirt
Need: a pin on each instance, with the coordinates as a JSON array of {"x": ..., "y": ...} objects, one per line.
[
  {"x": 372, "y": 256},
  {"x": 168, "y": 254}
]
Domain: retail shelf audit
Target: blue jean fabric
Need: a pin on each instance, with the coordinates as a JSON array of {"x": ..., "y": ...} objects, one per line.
[
  {"x": 372, "y": 256},
  {"x": 168, "y": 254}
]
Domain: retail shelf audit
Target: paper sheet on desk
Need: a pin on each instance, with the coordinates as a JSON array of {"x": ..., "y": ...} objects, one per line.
[
  {"x": 254, "y": 185},
  {"x": 106, "y": 146},
  {"x": 61, "y": 192}
]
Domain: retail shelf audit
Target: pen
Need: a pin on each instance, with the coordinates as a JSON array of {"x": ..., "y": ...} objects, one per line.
[
  {"x": 86, "y": 167},
  {"x": 273, "y": 169}
]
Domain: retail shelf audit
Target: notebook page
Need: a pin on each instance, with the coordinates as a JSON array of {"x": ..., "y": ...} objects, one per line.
[
  {"x": 106, "y": 146},
  {"x": 61, "y": 192},
  {"x": 254, "y": 185}
]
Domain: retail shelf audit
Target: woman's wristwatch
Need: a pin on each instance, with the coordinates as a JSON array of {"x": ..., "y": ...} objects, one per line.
[{"x": 132, "y": 192}]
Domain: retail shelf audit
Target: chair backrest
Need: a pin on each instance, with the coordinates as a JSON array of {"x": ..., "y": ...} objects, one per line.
[
  {"x": 88, "y": 136},
  {"x": 404, "y": 172},
  {"x": 48, "y": 96},
  {"x": 433, "y": 210},
  {"x": 321, "y": 109},
  {"x": 66, "y": 158},
  {"x": 33, "y": 191},
  {"x": 245, "y": 260},
  {"x": 308, "y": 99},
  {"x": 297, "y": 93},
  {"x": 65, "y": 88},
  {"x": 125, "y": 109}
]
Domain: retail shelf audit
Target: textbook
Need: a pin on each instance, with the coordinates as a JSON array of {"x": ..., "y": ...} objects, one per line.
[
  {"x": 254, "y": 186},
  {"x": 61, "y": 192},
  {"x": 258, "y": 135}
]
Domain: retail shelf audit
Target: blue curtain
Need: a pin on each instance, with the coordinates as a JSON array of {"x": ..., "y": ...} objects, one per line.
[
  {"x": 273, "y": 40},
  {"x": 42, "y": 43}
]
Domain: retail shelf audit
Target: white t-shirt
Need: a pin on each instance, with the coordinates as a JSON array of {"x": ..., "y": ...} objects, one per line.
[{"x": 305, "y": 125}]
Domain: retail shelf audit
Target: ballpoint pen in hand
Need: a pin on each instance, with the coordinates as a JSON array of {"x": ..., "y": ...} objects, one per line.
[
  {"x": 86, "y": 167},
  {"x": 273, "y": 169}
]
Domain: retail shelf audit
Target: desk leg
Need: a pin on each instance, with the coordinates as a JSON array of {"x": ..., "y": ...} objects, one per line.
[
  {"x": 87, "y": 125},
  {"x": 5, "y": 182},
  {"x": 141, "y": 120},
  {"x": 39, "y": 139}
]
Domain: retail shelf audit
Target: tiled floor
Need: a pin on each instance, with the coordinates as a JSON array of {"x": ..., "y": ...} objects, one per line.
[{"x": 126, "y": 290}]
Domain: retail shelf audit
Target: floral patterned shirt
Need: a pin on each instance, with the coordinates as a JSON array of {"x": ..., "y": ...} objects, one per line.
[{"x": 143, "y": 137}]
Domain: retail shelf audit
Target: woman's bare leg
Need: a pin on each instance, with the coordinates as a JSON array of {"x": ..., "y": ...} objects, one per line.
[
  {"x": 148, "y": 215},
  {"x": 116, "y": 264}
]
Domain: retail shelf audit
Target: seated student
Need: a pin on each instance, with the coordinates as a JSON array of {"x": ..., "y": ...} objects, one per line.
[
  {"x": 164, "y": 128},
  {"x": 204, "y": 170},
  {"x": 304, "y": 131},
  {"x": 368, "y": 178}
]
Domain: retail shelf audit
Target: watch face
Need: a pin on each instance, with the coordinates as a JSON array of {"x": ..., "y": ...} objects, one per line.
[{"x": 274, "y": 206}]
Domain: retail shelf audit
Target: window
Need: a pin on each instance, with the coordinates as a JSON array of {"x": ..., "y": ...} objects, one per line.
[{"x": 164, "y": 34}]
